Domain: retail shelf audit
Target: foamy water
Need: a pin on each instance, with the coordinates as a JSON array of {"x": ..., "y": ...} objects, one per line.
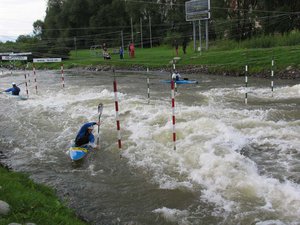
[{"x": 239, "y": 162}]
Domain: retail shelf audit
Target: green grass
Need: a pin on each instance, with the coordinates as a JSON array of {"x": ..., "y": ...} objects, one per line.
[
  {"x": 31, "y": 202},
  {"x": 258, "y": 59},
  {"x": 217, "y": 59}
]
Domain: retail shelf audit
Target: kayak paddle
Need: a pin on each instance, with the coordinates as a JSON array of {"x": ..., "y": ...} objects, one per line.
[{"x": 100, "y": 109}]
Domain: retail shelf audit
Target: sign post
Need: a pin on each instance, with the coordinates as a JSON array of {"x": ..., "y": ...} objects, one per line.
[{"x": 198, "y": 10}]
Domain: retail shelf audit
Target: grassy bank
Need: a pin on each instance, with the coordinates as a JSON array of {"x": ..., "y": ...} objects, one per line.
[
  {"x": 30, "y": 202},
  {"x": 218, "y": 59},
  {"x": 215, "y": 60}
]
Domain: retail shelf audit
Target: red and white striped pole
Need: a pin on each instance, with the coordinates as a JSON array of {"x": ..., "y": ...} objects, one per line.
[
  {"x": 117, "y": 114},
  {"x": 173, "y": 112},
  {"x": 62, "y": 75},
  {"x": 27, "y": 93},
  {"x": 35, "y": 82},
  {"x": 246, "y": 84}
]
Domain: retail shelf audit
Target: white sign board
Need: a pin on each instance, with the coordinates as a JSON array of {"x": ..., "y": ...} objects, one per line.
[
  {"x": 16, "y": 58},
  {"x": 197, "y": 10},
  {"x": 21, "y": 53},
  {"x": 6, "y": 53},
  {"x": 46, "y": 60}
]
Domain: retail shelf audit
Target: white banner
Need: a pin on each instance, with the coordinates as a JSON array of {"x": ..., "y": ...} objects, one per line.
[
  {"x": 43, "y": 60},
  {"x": 21, "y": 53},
  {"x": 6, "y": 53},
  {"x": 16, "y": 58}
]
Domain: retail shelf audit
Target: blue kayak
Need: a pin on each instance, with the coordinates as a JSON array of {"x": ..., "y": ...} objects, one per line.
[
  {"x": 20, "y": 97},
  {"x": 77, "y": 153},
  {"x": 181, "y": 81}
]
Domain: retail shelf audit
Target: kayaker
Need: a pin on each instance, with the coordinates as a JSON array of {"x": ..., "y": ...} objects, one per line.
[
  {"x": 85, "y": 135},
  {"x": 175, "y": 75},
  {"x": 14, "y": 90}
]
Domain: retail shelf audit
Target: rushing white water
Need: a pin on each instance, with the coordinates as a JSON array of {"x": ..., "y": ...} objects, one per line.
[{"x": 234, "y": 163}]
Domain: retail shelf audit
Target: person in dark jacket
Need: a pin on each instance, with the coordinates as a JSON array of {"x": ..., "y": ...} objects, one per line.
[
  {"x": 14, "y": 90},
  {"x": 85, "y": 135}
]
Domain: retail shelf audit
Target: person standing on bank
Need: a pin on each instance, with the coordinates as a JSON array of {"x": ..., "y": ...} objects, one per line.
[
  {"x": 176, "y": 47},
  {"x": 121, "y": 53},
  {"x": 184, "y": 44},
  {"x": 85, "y": 135}
]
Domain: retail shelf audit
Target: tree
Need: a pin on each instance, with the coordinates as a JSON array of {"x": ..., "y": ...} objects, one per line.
[{"x": 38, "y": 29}]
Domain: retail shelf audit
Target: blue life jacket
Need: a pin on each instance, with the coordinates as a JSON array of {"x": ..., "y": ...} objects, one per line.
[
  {"x": 83, "y": 136},
  {"x": 14, "y": 90}
]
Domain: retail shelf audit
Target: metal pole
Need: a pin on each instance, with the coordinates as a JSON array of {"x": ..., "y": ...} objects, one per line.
[
  {"x": 75, "y": 46},
  {"x": 122, "y": 41},
  {"x": 150, "y": 32},
  {"x": 206, "y": 26},
  {"x": 131, "y": 29},
  {"x": 141, "y": 27},
  {"x": 200, "y": 38},
  {"x": 194, "y": 35}
]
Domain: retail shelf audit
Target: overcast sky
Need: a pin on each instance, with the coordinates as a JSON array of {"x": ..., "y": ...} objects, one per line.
[{"x": 17, "y": 17}]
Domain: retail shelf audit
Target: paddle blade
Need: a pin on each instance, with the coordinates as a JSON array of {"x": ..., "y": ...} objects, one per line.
[{"x": 100, "y": 108}]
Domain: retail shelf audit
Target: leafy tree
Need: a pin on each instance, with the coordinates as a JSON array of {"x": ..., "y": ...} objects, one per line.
[{"x": 38, "y": 29}]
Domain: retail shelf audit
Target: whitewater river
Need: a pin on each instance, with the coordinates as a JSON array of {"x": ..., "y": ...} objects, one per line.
[{"x": 234, "y": 163}]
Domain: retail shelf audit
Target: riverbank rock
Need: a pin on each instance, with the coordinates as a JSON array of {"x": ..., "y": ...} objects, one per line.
[{"x": 4, "y": 208}]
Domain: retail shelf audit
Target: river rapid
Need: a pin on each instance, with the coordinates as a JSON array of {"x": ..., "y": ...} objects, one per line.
[{"x": 234, "y": 163}]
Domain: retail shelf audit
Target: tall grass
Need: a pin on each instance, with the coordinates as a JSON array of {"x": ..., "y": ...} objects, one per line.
[{"x": 263, "y": 41}]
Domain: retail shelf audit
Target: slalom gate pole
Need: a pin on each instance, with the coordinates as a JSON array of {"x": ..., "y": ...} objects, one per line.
[
  {"x": 35, "y": 82},
  {"x": 10, "y": 67},
  {"x": 272, "y": 77},
  {"x": 27, "y": 93},
  {"x": 246, "y": 84},
  {"x": 117, "y": 114},
  {"x": 173, "y": 113},
  {"x": 62, "y": 75},
  {"x": 148, "y": 85}
]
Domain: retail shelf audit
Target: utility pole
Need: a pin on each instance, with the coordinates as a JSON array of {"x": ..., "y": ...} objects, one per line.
[
  {"x": 200, "y": 37},
  {"x": 131, "y": 30},
  {"x": 206, "y": 26},
  {"x": 75, "y": 46},
  {"x": 194, "y": 35},
  {"x": 150, "y": 32},
  {"x": 122, "y": 41},
  {"x": 141, "y": 28}
]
